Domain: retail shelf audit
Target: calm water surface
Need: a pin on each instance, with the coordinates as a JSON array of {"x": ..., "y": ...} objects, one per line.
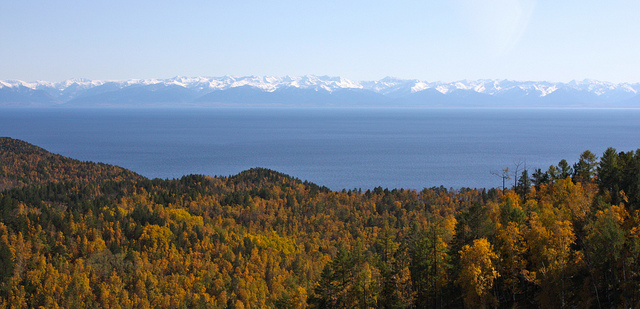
[{"x": 338, "y": 148}]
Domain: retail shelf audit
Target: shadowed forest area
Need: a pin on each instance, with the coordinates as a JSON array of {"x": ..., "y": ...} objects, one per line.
[{"x": 82, "y": 234}]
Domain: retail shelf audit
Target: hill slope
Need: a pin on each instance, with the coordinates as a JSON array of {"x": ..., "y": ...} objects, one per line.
[
  {"x": 85, "y": 235},
  {"x": 22, "y": 163}
]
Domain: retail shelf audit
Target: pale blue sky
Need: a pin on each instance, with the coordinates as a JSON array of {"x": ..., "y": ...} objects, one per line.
[{"x": 360, "y": 40}]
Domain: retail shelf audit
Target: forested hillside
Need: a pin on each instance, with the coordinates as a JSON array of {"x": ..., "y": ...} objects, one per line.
[
  {"x": 22, "y": 163},
  {"x": 78, "y": 234}
]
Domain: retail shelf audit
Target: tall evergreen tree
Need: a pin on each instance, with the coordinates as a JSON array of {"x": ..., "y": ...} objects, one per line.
[
  {"x": 524, "y": 184},
  {"x": 584, "y": 169},
  {"x": 564, "y": 169},
  {"x": 609, "y": 173}
]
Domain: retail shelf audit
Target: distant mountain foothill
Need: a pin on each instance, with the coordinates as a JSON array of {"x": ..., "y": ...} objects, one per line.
[{"x": 316, "y": 91}]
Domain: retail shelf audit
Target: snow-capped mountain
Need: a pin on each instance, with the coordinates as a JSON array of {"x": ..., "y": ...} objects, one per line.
[{"x": 317, "y": 90}]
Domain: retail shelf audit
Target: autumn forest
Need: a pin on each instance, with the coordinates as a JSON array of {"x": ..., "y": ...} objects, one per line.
[{"x": 90, "y": 235}]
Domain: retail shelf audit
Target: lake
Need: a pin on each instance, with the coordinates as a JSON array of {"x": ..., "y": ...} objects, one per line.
[{"x": 334, "y": 147}]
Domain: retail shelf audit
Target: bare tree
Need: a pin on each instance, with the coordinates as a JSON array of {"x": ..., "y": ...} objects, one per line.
[
  {"x": 515, "y": 173},
  {"x": 504, "y": 175}
]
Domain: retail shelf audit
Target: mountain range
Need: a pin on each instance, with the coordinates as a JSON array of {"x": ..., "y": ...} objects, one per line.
[{"x": 310, "y": 90}]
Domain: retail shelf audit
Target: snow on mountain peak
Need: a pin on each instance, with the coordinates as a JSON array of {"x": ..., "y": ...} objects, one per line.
[
  {"x": 392, "y": 86},
  {"x": 443, "y": 89},
  {"x": 4, "y": 84},
  {"x": 419, "y": 86}
]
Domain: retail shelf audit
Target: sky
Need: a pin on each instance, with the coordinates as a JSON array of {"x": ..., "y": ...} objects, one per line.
[{"x": 523, "y": 40}]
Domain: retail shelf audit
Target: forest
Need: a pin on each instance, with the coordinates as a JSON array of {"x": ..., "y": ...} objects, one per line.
[{"x": 89, "y": 235}]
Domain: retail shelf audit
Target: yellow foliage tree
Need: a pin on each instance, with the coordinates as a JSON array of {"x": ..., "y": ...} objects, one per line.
[{"x": 477, "y": 272}]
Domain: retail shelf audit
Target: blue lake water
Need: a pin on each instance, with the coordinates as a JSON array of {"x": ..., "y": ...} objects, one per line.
[{"x": 337, "y": 148}]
